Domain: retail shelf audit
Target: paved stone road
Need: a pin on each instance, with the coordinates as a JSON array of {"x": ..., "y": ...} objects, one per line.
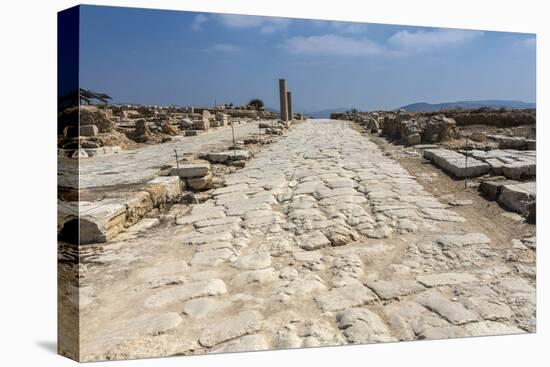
[
  {"x": 143, "y": 164},
  {"x": 319, "y": 240}
]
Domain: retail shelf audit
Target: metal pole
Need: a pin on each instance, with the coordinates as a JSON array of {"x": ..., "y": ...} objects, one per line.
[
  {"x": 233, "y": 133},
  {"x": 466, "y": 165},
  {"x": 177, "y": 161}
]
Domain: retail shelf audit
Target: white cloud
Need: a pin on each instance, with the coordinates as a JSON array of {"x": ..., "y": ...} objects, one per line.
[
  {"x": 422, "y": 40},
  {"x": 224, "y": 47},
  {"x": 332, "y": 44},
  {"x": 198, "y": 22},
  {"x": 265, "y": 24}
]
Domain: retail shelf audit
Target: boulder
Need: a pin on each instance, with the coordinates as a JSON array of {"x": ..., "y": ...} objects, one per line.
[{"x": 169, "y": 129}]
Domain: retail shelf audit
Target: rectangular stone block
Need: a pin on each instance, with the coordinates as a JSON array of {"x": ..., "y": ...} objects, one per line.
[
  {"x": 456, "y": 163},
  {"x": 191, "y": 170},
  {"x": 164, "y": 190},
  {"x": 518, "y": 197},
  {"x": 203, "y": 124}
]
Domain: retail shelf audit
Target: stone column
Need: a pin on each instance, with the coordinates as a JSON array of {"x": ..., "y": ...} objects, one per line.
[
  {"x": 289, "y": 103},
  {"x": 284, "y": 102}
]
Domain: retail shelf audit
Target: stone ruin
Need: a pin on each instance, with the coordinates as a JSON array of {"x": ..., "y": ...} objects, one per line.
[
  {"x": 108, "y": 129},
  {"x": 408, "y": 128}
]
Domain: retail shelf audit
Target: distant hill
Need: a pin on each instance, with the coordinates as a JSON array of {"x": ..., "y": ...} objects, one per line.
[
  {"x": 433, "y": 107},
  {"x": 326, "y": 113}
]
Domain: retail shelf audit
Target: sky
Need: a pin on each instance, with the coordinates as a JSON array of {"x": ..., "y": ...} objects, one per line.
[{"x": 159, "y": 57}]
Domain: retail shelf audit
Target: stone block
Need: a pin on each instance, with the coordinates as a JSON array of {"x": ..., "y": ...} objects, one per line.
[
  {"x": 229, "y": 155},
  {"x": 203, "y": 124},
  {"x": 456, "y": 163},
  {"x": 191, "y": 170},
  {"x": 97, "y": 221},
  {"x": 199, "y": 183},
  {"x": 414, "y": 139},
  {"x": 164, "y": 190},
  {"x": 518, "y": 197},
  {"x": 519, "y": 169},
  {"x": 490, "y": 188}
]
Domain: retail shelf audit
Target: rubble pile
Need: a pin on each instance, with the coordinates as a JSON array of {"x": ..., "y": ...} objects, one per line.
[
  {"x": 107, "y": 129},
  {"x": 277, "y": 128},
  {"x": 491, "y": 117},
  {"x": 408, "y": 128}
]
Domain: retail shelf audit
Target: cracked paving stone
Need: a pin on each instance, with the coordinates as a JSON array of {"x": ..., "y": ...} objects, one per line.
[
  {"x": 435, "y": 280},
  {"x": 246, "y": 322},
  {"x": 345, "y": 297},
  {"x": 313, "y": 241},
  {"x": 253, "y": 262},
  {"x": 361, "y": 325},
  {"x": 394, "y": 289},
  {"x": 454, "y": 312},
  {"x": 187, "y": 291}
]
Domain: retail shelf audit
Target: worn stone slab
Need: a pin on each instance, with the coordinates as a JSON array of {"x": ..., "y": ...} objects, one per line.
[
  {"x": 197, "y": 238},
  {"x": 394, "y": 289},
  {"x": 489, "y": 328},
  {"x": 247, "y": 343},
  {"x": 518, "y": 197},
  {"x": 491, "y": 187},
  {"x": 191, "y": 170},
  {"x": 435, "y": 280},
  {"x": 361, "y": 325},
  {"x": 313, "y": 241},
  {"x": 213, "y": 213},
  {"x": 97, "y": 221},
  {"x": 185, "y": 292},
  {"x": 246, "y": 322},
  {"x": 345, "y": 297},
  {"x": 253, "y": 261},
  {"x": 213, "y": 257},
  {"x": 454, "y": 312},
  {"x": 229, "y": 155},
  {"x": 200, "y": 308},
  {"x": 461, "y": 240},
  {"x": 456, "y": 163}
]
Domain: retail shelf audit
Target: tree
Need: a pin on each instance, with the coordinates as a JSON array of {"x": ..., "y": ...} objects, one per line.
[{"x": 257, "y": 103}]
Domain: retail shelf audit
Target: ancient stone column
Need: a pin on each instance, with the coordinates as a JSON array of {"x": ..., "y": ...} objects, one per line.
[
  {"x": 284, "y": 102},
  {"x": 289, "y": 103}
]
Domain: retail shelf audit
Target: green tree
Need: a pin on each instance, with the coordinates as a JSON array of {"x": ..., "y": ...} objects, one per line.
[{"x": 256, "y": 103}]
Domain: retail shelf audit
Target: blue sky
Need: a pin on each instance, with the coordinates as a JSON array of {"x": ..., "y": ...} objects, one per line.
[{"x": 186, "y": 58}]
